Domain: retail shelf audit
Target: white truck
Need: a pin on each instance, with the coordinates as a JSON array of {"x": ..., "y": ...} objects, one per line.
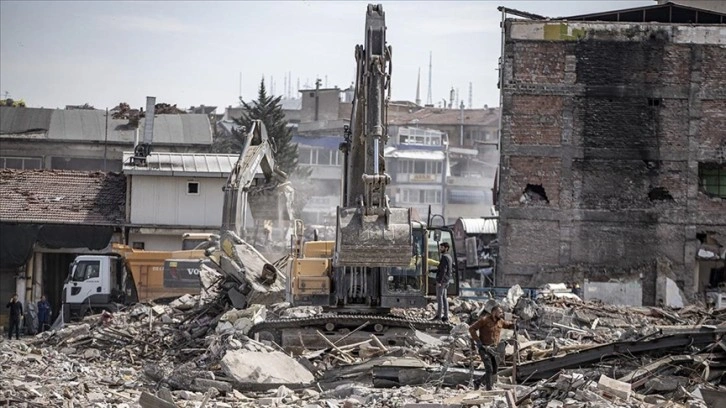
[{"x": 110, "y": 281}]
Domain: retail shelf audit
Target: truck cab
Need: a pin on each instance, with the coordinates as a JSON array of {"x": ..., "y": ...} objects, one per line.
[{"x": 96, "y": 283}]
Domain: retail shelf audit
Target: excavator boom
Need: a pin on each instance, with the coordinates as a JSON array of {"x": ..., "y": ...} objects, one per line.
[
  {"x": 268, "y": 199},
  {"x": 369, "y": 232}
]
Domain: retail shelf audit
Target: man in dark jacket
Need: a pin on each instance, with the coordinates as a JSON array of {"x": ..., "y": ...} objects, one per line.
[
  {"x": 443, "y": 274},
  {"x": 43, "y": 314},
  {"x": 16, "y": 312}
]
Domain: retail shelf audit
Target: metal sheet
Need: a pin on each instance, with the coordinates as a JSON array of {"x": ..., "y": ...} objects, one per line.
[{"x": 538, "y": 370}]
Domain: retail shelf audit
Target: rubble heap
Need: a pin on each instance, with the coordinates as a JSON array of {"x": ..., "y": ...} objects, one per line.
[{"x": 196, "y": 352}]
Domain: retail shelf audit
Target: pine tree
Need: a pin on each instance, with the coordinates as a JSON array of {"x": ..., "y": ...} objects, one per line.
[{"x": 268, "y": 109}]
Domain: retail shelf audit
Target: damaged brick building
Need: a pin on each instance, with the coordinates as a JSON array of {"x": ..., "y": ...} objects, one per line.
[{"x": 613, "y": 145}]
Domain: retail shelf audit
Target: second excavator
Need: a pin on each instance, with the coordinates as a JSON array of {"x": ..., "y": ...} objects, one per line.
[{"x": 378, "y": 262}]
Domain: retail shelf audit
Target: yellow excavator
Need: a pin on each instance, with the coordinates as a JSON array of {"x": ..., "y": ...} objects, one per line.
[{"x": 379, "y": 260}]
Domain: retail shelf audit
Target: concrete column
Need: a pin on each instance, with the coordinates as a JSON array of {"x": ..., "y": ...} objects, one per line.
[{"x": 38, "y": 276}]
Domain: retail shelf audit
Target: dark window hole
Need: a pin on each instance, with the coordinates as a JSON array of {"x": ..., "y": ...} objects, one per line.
[
  {"x": 659, "y": 193},
  {"x": 534, "y": 193}
]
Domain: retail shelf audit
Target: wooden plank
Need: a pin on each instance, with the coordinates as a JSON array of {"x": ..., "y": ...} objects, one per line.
[
  {"x": 511, "y": 402},
  {"x": 362, "y": 326},
  {"x": 378, "y": 342},
  {"x": 343, "y": 354}
]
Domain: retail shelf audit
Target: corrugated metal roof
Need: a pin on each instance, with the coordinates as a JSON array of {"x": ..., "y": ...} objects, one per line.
[
  {"x": 181, "y": 164},
  {"x": 62, "y": 197},
  {"x": 478, "y": 225},
  {"x": 661, "y": 13},
  {"x": 90, "y": 125},
  {"x": 24, "y": 120}
]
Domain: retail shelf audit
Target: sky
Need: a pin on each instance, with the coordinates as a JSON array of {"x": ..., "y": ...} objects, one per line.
[{"x": 192, "y": 53}]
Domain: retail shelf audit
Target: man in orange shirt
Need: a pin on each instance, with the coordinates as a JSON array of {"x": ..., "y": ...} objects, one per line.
[{"x": 486, "y": 333}]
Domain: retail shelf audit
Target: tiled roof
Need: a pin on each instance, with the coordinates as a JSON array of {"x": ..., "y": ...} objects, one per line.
[
  {"x": 62, "y": 197},
  {"x": 439, "y": 116}
]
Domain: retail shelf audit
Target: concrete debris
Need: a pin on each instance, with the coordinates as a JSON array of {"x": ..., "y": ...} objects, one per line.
[
  {"x": 197, "y": 353},
  {"x": 264, "y": 367}
]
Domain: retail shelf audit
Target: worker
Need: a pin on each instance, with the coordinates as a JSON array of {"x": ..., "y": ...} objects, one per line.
[
  {"x": 443, "y": 274},
  {"x": 577, "y": 290},
  {"x": 44, "y": 313},
  {"x": 485, "y": 333},
  {"x": 16, "y": 314}
]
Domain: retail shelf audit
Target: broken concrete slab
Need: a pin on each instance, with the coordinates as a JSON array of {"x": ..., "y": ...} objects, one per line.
[
  {"x": 264, "y": 367},
  {"x": 614, "y": 387},
  {"x": 148, "y": 400}
]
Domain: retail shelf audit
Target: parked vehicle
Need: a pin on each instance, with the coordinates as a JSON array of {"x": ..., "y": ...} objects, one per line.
[{"x": 126, "y": 276}]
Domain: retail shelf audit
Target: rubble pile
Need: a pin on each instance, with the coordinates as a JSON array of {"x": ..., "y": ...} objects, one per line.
[{"x": 197, "y": 352}]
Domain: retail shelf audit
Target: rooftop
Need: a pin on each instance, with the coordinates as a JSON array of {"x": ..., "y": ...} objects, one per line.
[
  {"x": 439, "y": 116},
  {"x": 90, "y": 125},
  {"x": 62, "y": 197},
  {"x": 183, "y": 164}
]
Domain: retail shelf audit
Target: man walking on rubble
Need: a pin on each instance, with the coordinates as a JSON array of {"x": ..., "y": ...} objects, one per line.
[
  {"x": 443, "y": 274},
  {"x": 16, "y": 312},
  {"x": 485, "y": 333}
]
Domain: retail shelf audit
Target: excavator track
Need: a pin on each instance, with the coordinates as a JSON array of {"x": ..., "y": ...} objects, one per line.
[{"x": 332, "y": 324}]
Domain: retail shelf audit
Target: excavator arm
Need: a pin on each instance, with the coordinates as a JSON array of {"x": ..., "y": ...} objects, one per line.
[
  {"x": 268, "y": 198},
  {"x": 369, "y": 231}
]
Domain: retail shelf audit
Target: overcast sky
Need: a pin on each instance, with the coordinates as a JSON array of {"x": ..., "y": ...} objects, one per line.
[{"x": 189, "y": 53}]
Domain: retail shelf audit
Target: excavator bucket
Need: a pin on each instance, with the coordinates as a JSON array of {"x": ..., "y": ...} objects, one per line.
[
  {"x": 271, "y": 201},
  {"x": 372, "y": 240}
]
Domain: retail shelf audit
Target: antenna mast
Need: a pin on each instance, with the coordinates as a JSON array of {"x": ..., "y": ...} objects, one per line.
[
  {"x": 428, "y": 96},
  {"x": 418, "y": 88}
]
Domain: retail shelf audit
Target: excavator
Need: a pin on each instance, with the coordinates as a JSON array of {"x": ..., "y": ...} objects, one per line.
[{"x": 378, "y": 264}]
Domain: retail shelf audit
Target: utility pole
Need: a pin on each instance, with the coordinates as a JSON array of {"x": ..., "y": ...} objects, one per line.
[
  {"x": 105, "y": 143},
  {"x": 317, "y": 98}
]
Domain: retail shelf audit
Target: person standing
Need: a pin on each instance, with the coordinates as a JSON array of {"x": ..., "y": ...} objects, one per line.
[
  {"x": 44, "y": 313},
  {"x": 443, "y": 274},
  {"x": 16, "y": 312},
  {"x": 486, "y": 332}
]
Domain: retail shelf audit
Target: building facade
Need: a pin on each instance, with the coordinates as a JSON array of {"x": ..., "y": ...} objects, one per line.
[
  {"x": 613, "y": 149},
  {"x": 174, "y": 194}
]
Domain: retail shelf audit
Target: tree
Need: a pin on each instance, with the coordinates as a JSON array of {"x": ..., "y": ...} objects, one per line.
[{"x": 268, "y": 109}]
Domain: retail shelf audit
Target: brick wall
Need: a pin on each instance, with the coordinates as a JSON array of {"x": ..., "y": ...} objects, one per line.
[
  {"x": 612, "y": 126},
  {"x": 535, "y": 119},
  {"x": 542, "y": 171},
  {"x": 712, "y": 129}
]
